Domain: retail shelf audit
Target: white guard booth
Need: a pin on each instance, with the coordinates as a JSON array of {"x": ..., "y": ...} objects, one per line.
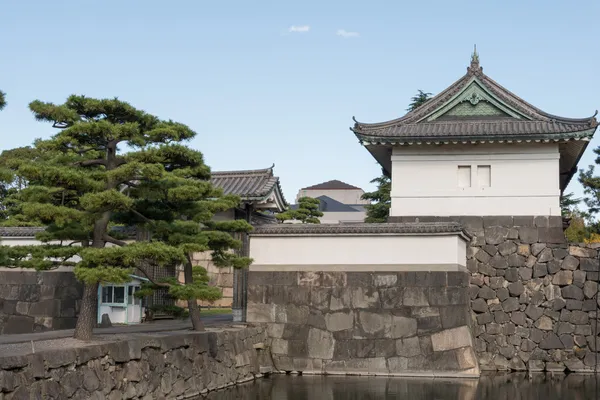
[{"x": 119, "y": 302}]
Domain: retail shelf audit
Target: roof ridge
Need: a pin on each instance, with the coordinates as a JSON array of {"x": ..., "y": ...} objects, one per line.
[
  {"x": 246, "y": 172},
  {"x": 323, "y": 185}
]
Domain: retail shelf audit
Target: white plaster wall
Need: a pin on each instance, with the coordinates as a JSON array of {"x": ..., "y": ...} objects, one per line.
[
  {"x": 342, "y": 195},
  {"x": 356, "y": 252},
  {"x": 524, "y": 180}
]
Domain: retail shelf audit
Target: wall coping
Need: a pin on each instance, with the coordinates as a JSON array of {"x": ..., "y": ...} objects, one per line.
[{"x": 363, "y": 229}]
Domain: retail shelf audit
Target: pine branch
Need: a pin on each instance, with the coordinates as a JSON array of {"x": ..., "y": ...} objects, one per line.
[
  {"x": 149, "y": 277},
  {"x": 112, "y": 240}
]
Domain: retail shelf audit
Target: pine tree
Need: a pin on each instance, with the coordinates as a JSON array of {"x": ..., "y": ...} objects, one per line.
[
  {"x": 307, "y": 212},
  {"x": 2, "y": 100},
  {"x": 84, "y": 183},
  {"x": 379, "y": 211}
]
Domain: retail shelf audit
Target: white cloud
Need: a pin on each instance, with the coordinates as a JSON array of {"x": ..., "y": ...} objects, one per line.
[
  {"x": 299, "y": 29},
  {"x": 345, "y": 34}
]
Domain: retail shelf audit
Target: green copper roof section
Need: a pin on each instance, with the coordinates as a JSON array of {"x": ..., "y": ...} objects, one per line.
[{"x": 474, "y": 93}]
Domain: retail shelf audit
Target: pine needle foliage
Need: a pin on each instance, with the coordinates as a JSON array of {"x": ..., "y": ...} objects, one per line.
[{"x": 112, "y": 166}]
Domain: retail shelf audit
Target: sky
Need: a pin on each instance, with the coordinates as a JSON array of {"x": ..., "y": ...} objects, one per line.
[{"x": 278, "y": 82}]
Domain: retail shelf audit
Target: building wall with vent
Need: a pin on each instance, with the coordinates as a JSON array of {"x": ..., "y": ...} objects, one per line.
[{"x": 482, "y": 179}]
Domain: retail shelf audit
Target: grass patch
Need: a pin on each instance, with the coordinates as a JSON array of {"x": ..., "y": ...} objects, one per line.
[{"x": 215, "y": 311}]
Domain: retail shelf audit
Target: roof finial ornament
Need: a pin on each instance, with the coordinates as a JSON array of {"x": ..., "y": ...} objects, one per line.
[{"x": 475, "y": 67}]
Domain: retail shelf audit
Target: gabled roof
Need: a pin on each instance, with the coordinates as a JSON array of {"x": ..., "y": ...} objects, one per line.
[
  {"x": 327, "y": 204},
  {"x": 252, "y": 186},
  {"x": 332, "y": 185},
  {"x": 476, "y": 109}
]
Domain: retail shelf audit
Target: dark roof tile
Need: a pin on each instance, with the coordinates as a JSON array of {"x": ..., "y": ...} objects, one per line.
[
  {"x": 360, "y": 228},
  {"x": 250, "y": 185},
  {"x": 332, "y": 185}
]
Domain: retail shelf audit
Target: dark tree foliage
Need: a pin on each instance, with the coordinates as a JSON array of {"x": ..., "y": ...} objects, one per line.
[
  {"x": 82, "y": 184},
  {"x": 307, "y": 212},
  {"x": 379, "y": 210},
  {"x": 568, "y": 204},
  {"x": 2, "y": 100},
  {"x": 418, "y": 100}
]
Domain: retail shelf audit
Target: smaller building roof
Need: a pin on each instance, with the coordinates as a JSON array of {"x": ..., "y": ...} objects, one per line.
[
  {"x": 21, "y": 231},
  {"x": 327, "y": 204},
  {"x": 332, "y": 185},
  {"x": 257, "y": 186}
]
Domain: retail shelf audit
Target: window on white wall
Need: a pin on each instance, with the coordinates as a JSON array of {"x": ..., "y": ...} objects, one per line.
[
  {"x": 464, "y": 176},
  {"x": 484, "y": 175}
]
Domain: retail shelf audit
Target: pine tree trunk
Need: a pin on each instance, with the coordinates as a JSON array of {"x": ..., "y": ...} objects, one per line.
[
  {"x": 197, "y": 324},
  {"x": 88, "y": 312},
  {"x": 193, "y": 308}
]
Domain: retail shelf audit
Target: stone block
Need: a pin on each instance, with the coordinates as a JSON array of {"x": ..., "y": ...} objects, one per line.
[
  {"x": 258, "y": 312},
  {"x": 458, "y": 278},
  {"x": 310, "y": 278},
  {"x": 590, "y": 289},
  {"x": 495, "y": 221},
  {"x": 391, "y": 298},
  {"x": 516, "y": 289},
  {"x": 572, "y": 292},
  {"x": 397, "y": 364},
  {"x": 551, "y": 235},
  {"x": 428, "y": 324},
  {"x": 484, "y": 318},
  {"x": 528, "y": 234},
  {"x": 339, "y": 321},
  {"x": 446, "y": 296},
  {"x": 479, "y": 305},
  {"x": 574, "y": 304},
  {"x": 498, "y": 262},
  {"x": 582, "y": 252},
  {"x": 510, "y": 304},
  {"x": 365, "y": 297},
  {"x": 554, "y": 266},
  {"x": 402, "y": 327},
  {"x": 512, "y": 274},
  {"x": 551, "y": 341},
  {"x": 525, "y": 273},
  {"x": 320, "y": 297},
  {"x": 340, "y": 299},
  {"x": 374, "y": 323},
  {"x": 523, "y": 221},
  {"x": 320, "y": 344},
  {"x": 362, "y": 279},
  {"x": 408, "y": 347},
  {"x": 563, "y": 278},
  {"x": 487, "y": 293},
  {"x": 385, "y": 280},
  {"x": 451, "y": 339},
  {"x": 415, "y": 296},
  {"x": 16, "y": 324},
  {"x": 334, "y": 279},
  {"x": 579, "y": 278},
  {"x": 540, "y": 270},
  {"x": 544, "y": 323},
  {"x": 589, "y": 264},
  {"x": 570, "y": 263},
  {"x": 495, "y": 234},
  {"x": 483, "y": 257},
  {"x": 507, "y": 248},
  {"x": 518, "y": 318},
  {"x": 578, "y": 317}
]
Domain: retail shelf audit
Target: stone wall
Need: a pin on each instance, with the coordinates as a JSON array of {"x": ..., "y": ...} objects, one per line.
[
  {"x": 365, "y": 322},
  {"x": 163, "y": 367},
  {"x": 533, "y": 296},
  {"x": 219, "y": 277},
  {"x": 33, "y": 301}
]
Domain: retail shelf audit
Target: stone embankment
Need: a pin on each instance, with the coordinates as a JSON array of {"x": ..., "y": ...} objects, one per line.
[
  {"x": 164, "y": 366},
  {"x": 372, "y": 323}
]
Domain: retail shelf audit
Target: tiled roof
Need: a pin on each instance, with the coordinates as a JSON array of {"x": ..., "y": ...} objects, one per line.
[
  {"x": 20, "y": 231},
  {"x": 503, "y": 118},
  {"x": 415, "y": 125},
  {"x": 360, "y": 228},
  {"x": 250, "y": 185},
  {"x": 332, "y": 185}
]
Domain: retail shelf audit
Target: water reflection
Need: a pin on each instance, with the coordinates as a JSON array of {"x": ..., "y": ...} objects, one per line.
[{"x": 498, "y": 387}]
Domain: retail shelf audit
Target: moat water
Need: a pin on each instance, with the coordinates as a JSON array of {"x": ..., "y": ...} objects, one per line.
[{"x": 498, "y": 387}]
